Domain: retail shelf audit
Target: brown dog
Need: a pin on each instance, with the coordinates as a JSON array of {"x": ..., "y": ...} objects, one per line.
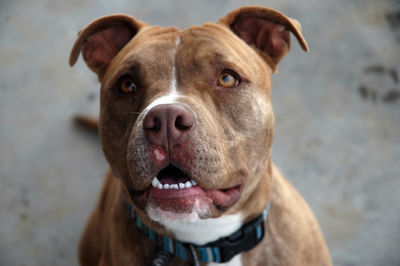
[{"x": 186, "y": 124}]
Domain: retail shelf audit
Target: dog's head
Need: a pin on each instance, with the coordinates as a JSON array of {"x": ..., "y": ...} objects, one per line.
[{"x": 186, "y": 120}]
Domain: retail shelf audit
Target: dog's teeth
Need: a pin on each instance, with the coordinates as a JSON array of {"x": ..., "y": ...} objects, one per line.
[{"x": 155, "y": 182}]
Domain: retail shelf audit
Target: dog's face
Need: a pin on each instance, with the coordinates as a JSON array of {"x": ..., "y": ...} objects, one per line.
[{"x": 186, "y": 120}]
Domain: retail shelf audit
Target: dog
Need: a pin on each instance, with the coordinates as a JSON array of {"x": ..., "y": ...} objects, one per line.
[{"x": 186, "y": 125}]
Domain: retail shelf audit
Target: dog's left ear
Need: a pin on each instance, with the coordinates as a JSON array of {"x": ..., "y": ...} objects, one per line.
[{"x": 266, "y": 30}]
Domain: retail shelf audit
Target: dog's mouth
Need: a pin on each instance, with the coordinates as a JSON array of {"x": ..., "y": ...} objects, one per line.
[
  {"x": 174, "y": 190},
  {"x": 172, "y": 178}
]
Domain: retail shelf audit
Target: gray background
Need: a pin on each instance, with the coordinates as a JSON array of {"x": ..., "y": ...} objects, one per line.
[{"x": 337, "y": 122}]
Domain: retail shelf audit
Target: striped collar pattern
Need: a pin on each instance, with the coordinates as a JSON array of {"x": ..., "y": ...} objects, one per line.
[{"x": 221, "y": 250}]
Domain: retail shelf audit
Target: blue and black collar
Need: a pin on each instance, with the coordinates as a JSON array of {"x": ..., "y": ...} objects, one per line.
[{"x": 221, "y": 250}]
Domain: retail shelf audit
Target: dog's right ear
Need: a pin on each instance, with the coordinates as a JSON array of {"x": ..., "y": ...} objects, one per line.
[{"x": 102, "y": 40}]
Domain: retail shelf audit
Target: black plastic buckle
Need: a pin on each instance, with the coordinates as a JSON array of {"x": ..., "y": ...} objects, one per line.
[
  {"x": 161, "y": 258},
  {"x": 242, "y": 240}
]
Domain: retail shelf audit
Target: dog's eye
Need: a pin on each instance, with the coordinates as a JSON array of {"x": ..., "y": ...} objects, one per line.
[
  {"x": 227, "y": 80},
  {"x": 127, "y": 85}
]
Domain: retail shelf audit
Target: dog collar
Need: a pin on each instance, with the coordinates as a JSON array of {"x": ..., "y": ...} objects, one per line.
[{"x": 221, "y": 250}]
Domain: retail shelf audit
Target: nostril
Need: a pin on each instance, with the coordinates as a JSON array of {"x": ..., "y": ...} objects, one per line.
[
  {"x": 152, "y": 123},
  {"x": 156, "y": 124},
  {"x": 182, "y": 125}
]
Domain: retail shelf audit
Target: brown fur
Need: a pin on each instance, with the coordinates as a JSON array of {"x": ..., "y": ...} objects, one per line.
[{"x": 229, "y": 146}]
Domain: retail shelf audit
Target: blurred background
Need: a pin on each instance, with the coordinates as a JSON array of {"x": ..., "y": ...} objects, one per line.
[{"x": 337, "y": 121}]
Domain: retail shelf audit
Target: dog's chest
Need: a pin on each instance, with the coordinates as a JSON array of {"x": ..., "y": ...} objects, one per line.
[{"x": 201, "y": 232}]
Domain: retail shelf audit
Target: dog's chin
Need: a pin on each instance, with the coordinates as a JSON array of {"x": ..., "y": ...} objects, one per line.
[{"x": 184, "y": 212}]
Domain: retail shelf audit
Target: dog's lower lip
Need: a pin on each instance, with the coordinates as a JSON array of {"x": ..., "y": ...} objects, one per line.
[{"x": 219, "y": 196}]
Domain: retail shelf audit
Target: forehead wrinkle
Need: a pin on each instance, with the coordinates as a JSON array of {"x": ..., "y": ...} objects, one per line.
[
  {"x": 222, "y": 61},
  {"x": 208, "y": 31},
  {"x": 141, "y": 66},
  {"x": 127, "y": 68},
  {"x": 216, "y": 54},
  {"x": 157, "y": 31},
  {"x": 215, "y": 33},
  {"x": 153, "y": 56}
]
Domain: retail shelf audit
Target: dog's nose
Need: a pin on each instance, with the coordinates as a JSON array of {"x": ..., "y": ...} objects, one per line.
[{"x": 168, "y": 125}]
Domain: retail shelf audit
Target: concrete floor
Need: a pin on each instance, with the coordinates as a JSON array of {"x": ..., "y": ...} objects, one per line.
[{"x": 337, "y": 122}]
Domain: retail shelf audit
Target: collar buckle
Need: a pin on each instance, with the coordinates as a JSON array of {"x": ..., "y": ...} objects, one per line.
[{"x": 242, "y": 240}]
